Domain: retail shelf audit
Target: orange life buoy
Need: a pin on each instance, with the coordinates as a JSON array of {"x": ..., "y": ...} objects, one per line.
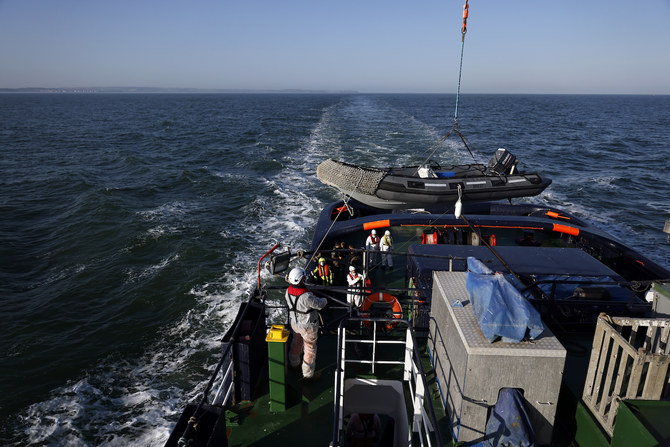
[{"x": 381, "y": 297}]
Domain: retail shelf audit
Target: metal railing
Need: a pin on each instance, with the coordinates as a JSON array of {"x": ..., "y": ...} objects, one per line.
[{"x": 423, "y": 420}]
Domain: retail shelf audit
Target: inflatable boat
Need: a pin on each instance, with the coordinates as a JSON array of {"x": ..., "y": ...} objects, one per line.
[{"x": 431, "y": 184}]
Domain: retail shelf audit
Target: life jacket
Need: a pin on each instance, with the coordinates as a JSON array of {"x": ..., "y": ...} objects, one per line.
[
  {"x": 295, "y": 292},
  {"x": 429, "y": 236},
  {"x": 325, "y": 274},
  {"x": 374, "y": 239},
  {"x": 352, "y": 276},
  {"x": 387, "y": 241},
  {"x": 324, "y": 271}
]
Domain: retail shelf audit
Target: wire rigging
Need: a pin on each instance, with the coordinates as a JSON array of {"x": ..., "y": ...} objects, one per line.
[
  {"x": 464, "y": 30},
  {"x": 454, "y": 129}
]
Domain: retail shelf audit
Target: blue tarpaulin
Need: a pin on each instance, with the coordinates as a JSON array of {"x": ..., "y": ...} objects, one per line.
[
  {"x": 509, "y": 422},
  {"x": 500, "y": 309}
]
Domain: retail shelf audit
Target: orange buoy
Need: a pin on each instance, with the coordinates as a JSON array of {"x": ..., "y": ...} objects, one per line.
[{"x": 381, "y": 297}]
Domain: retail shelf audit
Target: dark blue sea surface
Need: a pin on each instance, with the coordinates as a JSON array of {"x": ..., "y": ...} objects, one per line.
[{"x": 131, "y": 225}]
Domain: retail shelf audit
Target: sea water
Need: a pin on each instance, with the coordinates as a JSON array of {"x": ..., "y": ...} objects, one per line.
[{"x": 131, "y": 225}]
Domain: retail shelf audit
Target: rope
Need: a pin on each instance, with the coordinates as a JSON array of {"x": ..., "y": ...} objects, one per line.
[
  {"x": 464, "y": 30},
  {"x": 494, "y": 252},
  {"x": 345, "y": 201},
  {"x": 465, "y": 141},
  {"x": 435, "y": 147}
]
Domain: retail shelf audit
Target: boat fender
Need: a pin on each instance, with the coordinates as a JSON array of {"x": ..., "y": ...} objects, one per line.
[
  {"x": 458, "y": 207},
  {"x": 566, "y": 229}
]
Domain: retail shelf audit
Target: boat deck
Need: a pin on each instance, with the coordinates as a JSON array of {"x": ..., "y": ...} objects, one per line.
[
  {"x": 309, "y": 418},
  {"x": 309, "y": 406}
]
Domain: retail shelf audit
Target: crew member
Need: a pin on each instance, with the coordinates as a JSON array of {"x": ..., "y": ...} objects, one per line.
[
  {"x": 339, "y": 259},
  {"x": 528, "y": 240},
  {"x": 386, "y": 245},
  {"x": 304, "y": 318},
  {"x": 372, "y": 243},
  {"x": 355, "y": 281},
  {"x": 323, "y": 272},
  {"x": 353, "y": 258}
]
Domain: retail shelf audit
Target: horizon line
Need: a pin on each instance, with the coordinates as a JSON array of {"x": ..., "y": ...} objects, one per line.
[{"x": 90, "y": 90}]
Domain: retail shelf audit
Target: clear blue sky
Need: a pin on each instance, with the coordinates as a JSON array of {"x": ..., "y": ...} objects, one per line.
[{"x": 512, "y": 46}]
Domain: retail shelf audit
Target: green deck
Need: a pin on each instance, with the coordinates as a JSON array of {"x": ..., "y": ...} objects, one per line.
[{"x": 308, "y": 418}]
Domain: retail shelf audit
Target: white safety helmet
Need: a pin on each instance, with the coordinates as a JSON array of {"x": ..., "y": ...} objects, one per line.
[
  {"x": 374, "y": 231},
  {"x": 352, "y": 268},
  {"x": 387, "y": 233},
  {"x": 296, "y": 275}
]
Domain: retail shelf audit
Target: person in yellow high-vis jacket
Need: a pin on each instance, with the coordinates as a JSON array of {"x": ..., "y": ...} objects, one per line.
[{"x": 323, "y": 272}]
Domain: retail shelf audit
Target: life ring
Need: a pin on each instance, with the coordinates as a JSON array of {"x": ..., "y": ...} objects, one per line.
[{"x": 381, "y": 297}]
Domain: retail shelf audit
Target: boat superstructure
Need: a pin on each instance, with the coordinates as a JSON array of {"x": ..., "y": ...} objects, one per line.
[{"x": 428, "y": 372}]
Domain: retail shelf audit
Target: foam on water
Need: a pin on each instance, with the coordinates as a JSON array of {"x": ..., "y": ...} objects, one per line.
[
  {"x": 135, "y": 402},
  {"x": 135, "y": 275},
  {"x": 151, "y": 391}
]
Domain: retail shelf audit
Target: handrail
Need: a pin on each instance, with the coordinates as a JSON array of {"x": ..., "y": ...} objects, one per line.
[
  {"x": 224, "y": 356},
  {"x": 629, "y": 286},
  {"x": 592, "y": 281},
  {"x": 428, "y": 419},
  {"x": 259, "y": 262}
]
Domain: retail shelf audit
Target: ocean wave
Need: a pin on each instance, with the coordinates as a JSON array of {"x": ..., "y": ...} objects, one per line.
[
  {"x": 169, "y": 203},
  {"x": 141, "y": 273},
  {"x": 135, "y": 401},
  {"x": 168, "y": 210}
]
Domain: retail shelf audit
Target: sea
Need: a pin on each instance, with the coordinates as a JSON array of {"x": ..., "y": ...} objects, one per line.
[{"x": 131, "y": 224}]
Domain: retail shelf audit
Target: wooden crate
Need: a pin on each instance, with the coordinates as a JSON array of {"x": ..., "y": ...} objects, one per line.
[{"x": 629, "y": 360}]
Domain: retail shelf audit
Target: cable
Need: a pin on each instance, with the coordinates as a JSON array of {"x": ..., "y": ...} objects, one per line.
[
  {"x": 494, "y": 252},
  {"x": 465, "y": 141},
  {"x": 464, "y": 30}
]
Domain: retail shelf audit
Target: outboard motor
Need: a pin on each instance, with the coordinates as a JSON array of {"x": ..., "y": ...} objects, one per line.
[{"x": 503, "y": 162}]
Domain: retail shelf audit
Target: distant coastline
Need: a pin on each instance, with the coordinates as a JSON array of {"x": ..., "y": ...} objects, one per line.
[
  {"x": 156, "y": 90},
  {"x": 149, "y": 90}
]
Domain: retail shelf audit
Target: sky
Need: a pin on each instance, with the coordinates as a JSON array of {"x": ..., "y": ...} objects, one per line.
[{"x": 512, "y": 46}]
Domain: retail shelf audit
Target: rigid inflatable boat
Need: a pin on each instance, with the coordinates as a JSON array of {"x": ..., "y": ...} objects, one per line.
[{"x": 431, "y": 184}]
